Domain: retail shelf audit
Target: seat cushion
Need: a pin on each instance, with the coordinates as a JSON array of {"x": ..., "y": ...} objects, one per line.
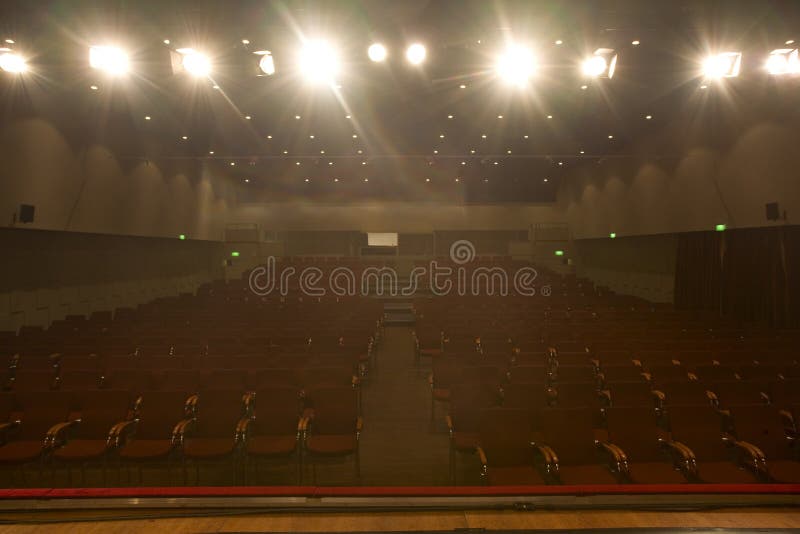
[
  {"x": 20, "y": 451},
  {"x": 785, "y": 471},
  {"x": 724, "y": 473},
  {"x": 523, "y": 475},
  {"x": 146, "y": 449},
  {"x": 655, "y": 473},
  {"x": 81, "y": 449},
  {"x": 466, "y": 441},
  {"x": 585, "y": 474},
  {"x": 206, "y": 448},
  {"x": 332, "y": 445},
  {"x": 271, "y": 445}
]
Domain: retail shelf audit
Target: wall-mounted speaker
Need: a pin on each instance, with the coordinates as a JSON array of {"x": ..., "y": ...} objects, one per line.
[
  {"x": 26, "y": 213},
  {"x": 773, "y": 212}
]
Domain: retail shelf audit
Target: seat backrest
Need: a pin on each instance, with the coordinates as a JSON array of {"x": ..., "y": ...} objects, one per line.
[
  {"x": 33, "y": 380},
  {"x": 319, "y": 377},
  {"x": 160, "y": 411},
  {"x": 634, "y": 429},
  {"x": 99, "y": 411},
  {"x": 466, "y": 403},
  {"x": 570, "y": 433},
  {"x": 528, "y": 374},
  {"x": 636, "y": 393},
  {"x": 224, "y": 379},
  {"x": 763, "y": 427},
  {"x": 505, "y": 437},
  {"x": 335, "y": 410},
  {"x": 178, "y": 380},
  {"x": 40, "y": 411},
  {"x": 276, "y": 377},
  {"x": 218, "y": 413},
  {"x": 133, "y": 380},
  {"x": 79, "y": 380},
  {"x": 577, "y": 394},
  {"x": 740, "y": 392},
  {"x": 699, "y": 427}
]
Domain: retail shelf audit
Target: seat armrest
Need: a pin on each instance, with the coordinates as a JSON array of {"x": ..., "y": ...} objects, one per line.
[
  {"x": 120, "y": 433},
  {"x": 7, "y": 426},
  {"x": 616, "y": 455},
  {"x": 430, "y": 380},
  {"x": 682, "y": 456},
  {"x": 57, "y": 434},
  {"x": 549, "y": 456},
  {"x": 242, "y": 427},
  {"x": 179, "y": 431},
  {"x": 359, "y": 426},
  {"x": 484, "y": 464},
  {"x": 605, "y": 396},
  {"x": 449, "y": 421},
  {"x": 750, "y": 455}
]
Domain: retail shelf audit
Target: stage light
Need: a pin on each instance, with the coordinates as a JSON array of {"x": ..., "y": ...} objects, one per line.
[
  {"x": 601, "y": 64},
  {"x": 266, "y": 64},
  {"x": 783, "y": 61},
  {"x": 415, "y": 54},
  {"x": 109, "y": 59},
  {"x": 13, "y": 63},
  {"x": 724, "y": 65},
  {"x": 319, "y": 62},
  {"x": 516, "y": 65},
  {"x": 376, "y": 52},
  {"x": 195, "y": 63}
]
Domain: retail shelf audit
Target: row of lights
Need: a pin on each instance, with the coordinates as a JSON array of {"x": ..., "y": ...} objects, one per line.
[
  {"x": 318, "y": 61},
  {"x": 427, "y": 180}
]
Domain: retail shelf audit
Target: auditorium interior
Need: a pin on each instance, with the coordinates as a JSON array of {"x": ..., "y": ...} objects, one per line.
[{"x": 399, "y": 265}]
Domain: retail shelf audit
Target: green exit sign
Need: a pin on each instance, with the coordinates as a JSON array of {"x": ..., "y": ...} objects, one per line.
[
  {"x": 612, "y": 235},
  {"x": 559, "y": 252},
  {"x": 720, "y": 228},
  {"x": 234, "y": 254}
]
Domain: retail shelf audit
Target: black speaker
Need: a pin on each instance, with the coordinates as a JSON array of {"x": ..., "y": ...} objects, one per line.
[
  {"x": 773, "y": 211},
  {"x": 26, "y": 212}
]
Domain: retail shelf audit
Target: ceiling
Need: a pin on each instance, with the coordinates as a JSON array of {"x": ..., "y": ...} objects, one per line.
[{"x": 448, "y": 130}]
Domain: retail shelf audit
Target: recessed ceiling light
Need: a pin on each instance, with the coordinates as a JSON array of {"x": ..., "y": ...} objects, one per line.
[
  {"x": 11, "y": 41},
  {"x": 463, "y": 162},
  {"x": 486, "y": 180},
  {"x": 321, "y": 151},
  {"x": 472, "y": 151},
  {"x": 347, "y": 116},
  {"x": 355, "y": 136},
  {"x": 233, "y": 164},
  {"x": 93, "y": 87},
  {"x": 211, "y": 152},
  {"x": 330, "y": 163},
  {"x": 524, "y": 136},
  {"x": 545, "y": 180},
  {"x": 297, "y": 163},
  {"x": 508, "y": 152},
  {"x": 363, "y": 162},
  {"x": 311, "y": 137},
  {"x": 307, "y": 180},
  {"x": 366, "y": 179},
  {"x": 790, "y": 41},
  {"x": 499, "y": 116},
  {"x": 584, "y": 87},
  {"x": 166, "y": 41},
  {"x": 559, "y": 42},
  {"x": 483, "y": 136},
  {"x": 297, "y": 117},
  {"x": 458, "y": 179},
  {"x": 449, "y": 116},
  {"x": 703, "y": 86},
  {"x": 360, "y": 151},
  {"x": 427, "y": 179},
  {"x": 285, "y": 151},
  {"x": 635, "y": 43},
  {"x": 441, "y": 136},
  {"x": 335, "y": 179},
  {"x": 549, "y": 116},
  {"x": 648, "y": 117},
  {"x": 184, "y": 137},
  {"x": 248, "y": 117},
  {"x": 496, "y": 163},
  {"x": 269, "y": 137},
  {"x": 582, "y": 152},
  {"x": 147, "y": 117},
  {"x": 611, "y": 137},
  {"x": 247, "y": 180},
  {"x": 215, "y": 86},
  {"x": 462, "y": 86},
  {"x": 435, "y": 151},
  {"x": 245, "y": 41},
  {"x": 560, "y": 163}
]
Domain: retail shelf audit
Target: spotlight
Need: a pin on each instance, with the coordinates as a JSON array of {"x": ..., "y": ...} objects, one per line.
[
  {"x": 266, "y": 65},
  {"x": 194, "y": 62},
  {"x": 783, "y": 61},
  {"x": 601, "y": 64},
  {"x": 319, "y": 62},
  {"x": 108, "y": 58},
  {"x": 11, "y": 62},
  {"x": 516, "y": 65},
  {"x": 376, "y": 52},
  {"x": 724, "y": 65},
  {"x": 415, "y": 54}
]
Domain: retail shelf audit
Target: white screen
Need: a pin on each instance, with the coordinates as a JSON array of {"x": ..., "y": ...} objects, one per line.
[{"x": 382, "y": 239}]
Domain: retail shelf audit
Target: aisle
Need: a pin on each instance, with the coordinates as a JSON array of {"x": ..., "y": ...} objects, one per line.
[{"x": 398, "y": 446}]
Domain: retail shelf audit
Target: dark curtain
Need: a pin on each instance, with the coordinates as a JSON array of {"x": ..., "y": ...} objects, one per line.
[{"x": 751, "y": 274}]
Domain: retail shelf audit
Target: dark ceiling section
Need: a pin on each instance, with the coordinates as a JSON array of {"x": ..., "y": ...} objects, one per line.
[{"x": 379, "y": 135}]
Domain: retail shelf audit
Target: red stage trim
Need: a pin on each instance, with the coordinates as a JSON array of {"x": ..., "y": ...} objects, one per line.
[{"x": 396, "y": 491}]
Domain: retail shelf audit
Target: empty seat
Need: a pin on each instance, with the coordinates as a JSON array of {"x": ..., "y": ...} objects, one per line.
[
  {"x": 333, "y": 427},
  {"x": 637, "y": 393},
  {"x": 38, "y": 412},
  {"x": 466, "y": 404},
  {"x": 506, "y": 454},
  {"x": 763, "y": 426}
]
